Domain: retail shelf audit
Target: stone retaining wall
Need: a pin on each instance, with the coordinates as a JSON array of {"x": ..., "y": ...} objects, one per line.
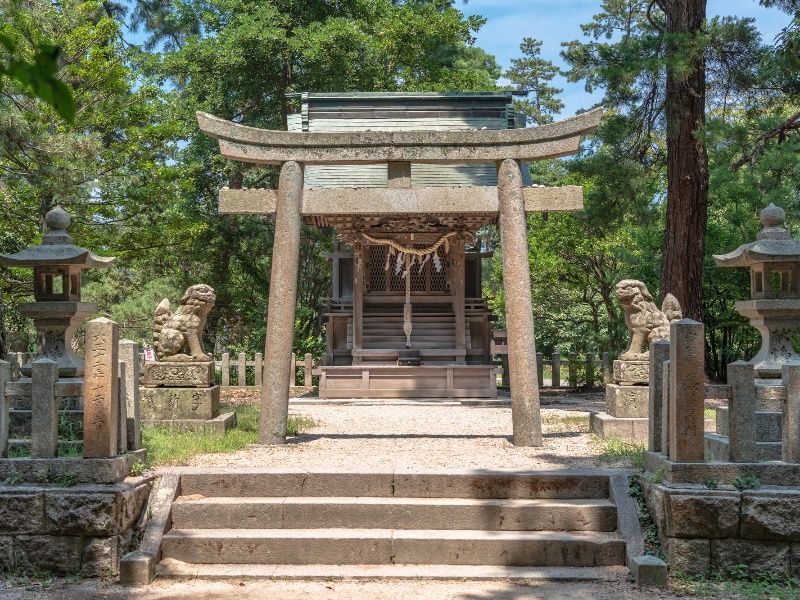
[
  {"x": 85, "y": 528},
  {"x": 705, "y": 531}
]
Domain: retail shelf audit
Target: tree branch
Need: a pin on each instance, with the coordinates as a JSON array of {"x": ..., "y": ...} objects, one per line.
[
  {"x": 652, "y": 22},
  {"x": 789, "y": 125}
]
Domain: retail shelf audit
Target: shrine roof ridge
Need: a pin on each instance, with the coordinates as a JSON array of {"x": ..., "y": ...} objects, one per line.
[{"x": 263, "y": 146}]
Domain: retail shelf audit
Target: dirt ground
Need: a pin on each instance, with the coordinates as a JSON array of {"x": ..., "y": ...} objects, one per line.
[
  {"x": 393, "y": 435},
  {"x": 344, "y": 590}
]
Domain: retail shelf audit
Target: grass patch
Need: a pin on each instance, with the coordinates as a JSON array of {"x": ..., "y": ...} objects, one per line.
[
  {"x": 165, "y": 447},
  {"x": 613, "y": 449},
  {"x": 762, "y": 586},
  {"x": 579, "y": 424}
]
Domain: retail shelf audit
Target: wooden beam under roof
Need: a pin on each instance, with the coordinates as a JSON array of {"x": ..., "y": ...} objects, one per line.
[
  {"x": 364, "y": 201},
  {"x": 263, "y": 146}
]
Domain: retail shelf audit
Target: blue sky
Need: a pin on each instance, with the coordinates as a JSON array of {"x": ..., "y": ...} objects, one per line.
[{"x": 554, "y": 21}]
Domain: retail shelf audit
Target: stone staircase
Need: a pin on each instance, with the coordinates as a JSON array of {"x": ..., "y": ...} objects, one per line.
[{"x": 295, "y": 523}]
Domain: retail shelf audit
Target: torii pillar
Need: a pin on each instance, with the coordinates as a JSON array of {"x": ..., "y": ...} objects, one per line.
[
  {"x": 525, "y": 416},
  {"x": 282, "y": 303},
  {"x": 505, "y": 148}
]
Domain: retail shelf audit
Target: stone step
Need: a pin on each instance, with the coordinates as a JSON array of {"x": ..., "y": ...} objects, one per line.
[
  {"x": 177, "y": 569},
  {"x": 395, "y": 513},
  {"x": 769, "y": 425},
  {"x": 386, "y": 547},
  {"x": 282, "y": 482}
]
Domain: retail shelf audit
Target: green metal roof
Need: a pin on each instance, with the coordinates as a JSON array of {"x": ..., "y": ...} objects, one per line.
[{"x": 404, "y": 111}]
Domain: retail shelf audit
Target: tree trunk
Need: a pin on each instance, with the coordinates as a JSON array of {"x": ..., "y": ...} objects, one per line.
[{"x": 687, "y": 171}]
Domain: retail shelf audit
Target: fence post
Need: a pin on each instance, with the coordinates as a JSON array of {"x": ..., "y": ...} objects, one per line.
[
  {"x": 100, "y": 407},
  {"x": 742, "y": 413},
  {"x": 44, "y": 409},
  {"x": 607, "y": 371},
  {"x": 14, "y": 360},
  {"x": 122, "y": 422},
  {"x": 308, "y": 366},
  {"x": 665, "y": 408},
  {"x": 540, "y": 368},
  {"x": 556, "y": 367},
  {"x": 791, "y": 414},
  {"x": 659, "y": 353},
  {"x": 129, "y": 354},
  {"x": 241, "y": 369},
  {"x": 589, "y": 370},
  {"x": 259, "y": 368},
  {"x": 5, "y": 377},
  {"x": 293, "y": 377},
  {"x": 226, "y": 369},
  {"x": 573, "y": 375}
]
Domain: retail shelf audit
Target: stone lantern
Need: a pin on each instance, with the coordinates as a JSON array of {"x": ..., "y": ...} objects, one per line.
[
  {"x": 774, "y": 261},
  {"x": 57, "y": 310}
]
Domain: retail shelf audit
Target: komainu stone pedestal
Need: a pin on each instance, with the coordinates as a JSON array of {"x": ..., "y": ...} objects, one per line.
[
  {"x": 627, "y": 403},
  {"x": 182, "y": 396}
]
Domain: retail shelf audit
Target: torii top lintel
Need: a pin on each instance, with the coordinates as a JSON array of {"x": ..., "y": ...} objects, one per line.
[{"x": 263, "y": 146}]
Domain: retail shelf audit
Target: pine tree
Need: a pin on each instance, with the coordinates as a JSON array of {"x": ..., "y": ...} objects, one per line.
[{"x": 531, "y": 75}]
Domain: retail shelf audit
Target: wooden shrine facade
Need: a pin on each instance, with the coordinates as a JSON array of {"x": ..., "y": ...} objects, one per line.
[{"x": 401, "y": 268}]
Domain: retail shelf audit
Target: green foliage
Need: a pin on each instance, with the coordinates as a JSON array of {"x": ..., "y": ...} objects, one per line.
[
  {"x": 137, "y": 468},
  {"x": 13, "y": 477},
  {"x": 531, "y": 74},
  {"x": 69, "y": 428},
  {"x": 65, "y": 479},
  {"x": 652, "y": 542},
  {"x": 297, "y": 424},
  {"x": 167, "y": 447},
  {"x": 38, "y": 74},
  {"x": 748, "y": 482},
  {"x": 657, "y": 477},
  {"x": 613, "y": 449}
]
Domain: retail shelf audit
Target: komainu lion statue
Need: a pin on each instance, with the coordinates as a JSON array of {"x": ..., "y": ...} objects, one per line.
[
  {"x": 644, "y": 321},
  {"x": 174, "y": 333}
]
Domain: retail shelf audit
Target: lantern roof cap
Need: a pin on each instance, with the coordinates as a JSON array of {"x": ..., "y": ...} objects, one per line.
[
  {"x": 56, "y": 248},
  {"x": 774, "y": 243}
]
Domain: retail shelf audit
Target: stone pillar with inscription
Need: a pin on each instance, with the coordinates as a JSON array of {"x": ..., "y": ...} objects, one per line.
[
  {"x": 178, "y": 390},
  {"x": 101, "y": 390}
]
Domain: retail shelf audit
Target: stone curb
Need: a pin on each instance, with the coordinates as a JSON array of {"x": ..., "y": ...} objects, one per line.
[
  {"x": 647, "y": 571},
  {"x": 85, "y": 470},
  {"x": 139, "y": 567}
]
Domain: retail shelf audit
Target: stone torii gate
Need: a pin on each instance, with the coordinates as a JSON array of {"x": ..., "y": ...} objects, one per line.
[{"x": 509, "y": 201}]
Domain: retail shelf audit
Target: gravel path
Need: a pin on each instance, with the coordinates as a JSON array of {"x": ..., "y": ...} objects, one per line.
[{"x": 427, "y": 435}]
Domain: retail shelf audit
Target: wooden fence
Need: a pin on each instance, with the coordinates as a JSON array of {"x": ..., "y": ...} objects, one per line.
[
  {"x": 240, "y": 366},
  {"x": 572, "y": 362}
]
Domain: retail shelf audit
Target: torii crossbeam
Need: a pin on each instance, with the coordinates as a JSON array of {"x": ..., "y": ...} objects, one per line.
[{"x": 506, "y": 204}]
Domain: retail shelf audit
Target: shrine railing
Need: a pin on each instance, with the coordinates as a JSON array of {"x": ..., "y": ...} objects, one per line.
[
  {"x": 45, "y": 417},
  {"x": 756, "y": 420}
]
